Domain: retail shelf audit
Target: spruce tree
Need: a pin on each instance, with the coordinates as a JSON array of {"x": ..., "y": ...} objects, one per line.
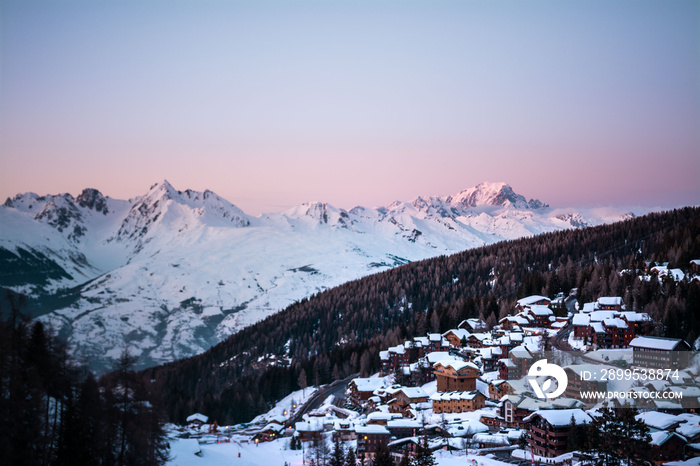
[
  {"x": 337, "y": 456},
  {"x": 350, "y": 458},
  {"x": 424, "y": 456}
]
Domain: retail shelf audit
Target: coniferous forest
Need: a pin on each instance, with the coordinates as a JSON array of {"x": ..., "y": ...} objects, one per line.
[
  {"x": 340, "y": 331},
  {"x": 54, "y": 412}
]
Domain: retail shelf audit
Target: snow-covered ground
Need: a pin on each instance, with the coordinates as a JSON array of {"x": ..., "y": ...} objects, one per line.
[{"x": 245, "y": 453}]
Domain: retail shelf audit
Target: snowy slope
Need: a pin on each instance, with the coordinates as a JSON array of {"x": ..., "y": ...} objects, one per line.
[{"x": 173, "y": 272}]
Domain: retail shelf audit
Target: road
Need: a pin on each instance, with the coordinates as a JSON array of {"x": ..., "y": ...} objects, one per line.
[
  {"x": 560, "y": 340},
  {"x": 336, "y": 388}
]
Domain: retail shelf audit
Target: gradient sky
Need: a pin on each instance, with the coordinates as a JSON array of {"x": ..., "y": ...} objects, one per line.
[{"x": 271, "y": 104}]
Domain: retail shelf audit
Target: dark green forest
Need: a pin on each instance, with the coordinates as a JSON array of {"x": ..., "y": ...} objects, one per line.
[
  {"x": 340, "y": 331},
  {"x": 54, "y": 412}
]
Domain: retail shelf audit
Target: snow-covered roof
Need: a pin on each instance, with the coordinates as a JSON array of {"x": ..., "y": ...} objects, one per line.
[
  {"x": 492, "y": 439},
  {"x": 313, "y": 426},
  {"x": 379, "y": 416},
  {"x": 383, "y": 355},
  {"x": 582, "y": 320},
  {"x": 588, "y": 307},
  {"x": 660, "y": 437},
  {"x": 456, "y": 364},
  {"x": 434, "y": 337},
  {"x": 690, "y": 428},
  {"x": 436, "y": 356},
  {"x": 404, "y": 424},
  {"x": 599, "y": 316},
  {"x": 521, "y": 352},
  {"x": 467, "y": 428},
  {"x": 371, "y": 429},
  {"x": 658, "y": 343},
  {"x": 398, "y": 349},
  {"x": 447, "y": 396},
  {"x": 658, "y": 420},
  {"x": 616, "y": 322},
  {"x": 414, "y": 392},
  {"x": 530, "y": 300},
  {"x": 369, "y": 384},
  {"x": 632, "y": 316},
  {"x": 425, "y": 341},
  {"x": 609, "y": 301},
  {"x": 561, "y": 417},
  {"x": 540, "y": 310},
  {"x": 458, "y": 332},
  {"x": 597, "y": 327},
  {"x": 197, "y": 417}
]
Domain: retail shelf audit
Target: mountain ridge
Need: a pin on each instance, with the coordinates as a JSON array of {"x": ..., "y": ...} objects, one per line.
[{"x": 173, "y": 272}]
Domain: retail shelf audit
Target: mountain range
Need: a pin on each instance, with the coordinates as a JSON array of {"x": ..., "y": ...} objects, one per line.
[{"x": 171, "y": 273}]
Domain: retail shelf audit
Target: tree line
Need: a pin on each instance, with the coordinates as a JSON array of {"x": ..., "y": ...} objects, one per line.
[{"x": 54, "y": 411}]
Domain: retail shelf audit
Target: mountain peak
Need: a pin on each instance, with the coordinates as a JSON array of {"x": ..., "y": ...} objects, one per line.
[
  {"x": 93, "y": 199},
  {"x": 497, "y": 194}
]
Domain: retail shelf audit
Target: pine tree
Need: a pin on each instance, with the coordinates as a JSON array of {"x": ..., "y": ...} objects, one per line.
[
  {"x": 382, "y": 456},
  {"x": 350, "y": 459},
  {"x": 338, "y": 455},
  {"x": 635, "y": 436},
  {"x": 424, "y": 456}
]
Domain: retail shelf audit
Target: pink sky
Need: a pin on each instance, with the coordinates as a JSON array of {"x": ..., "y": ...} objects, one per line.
[{"x": 360, "y": 103}]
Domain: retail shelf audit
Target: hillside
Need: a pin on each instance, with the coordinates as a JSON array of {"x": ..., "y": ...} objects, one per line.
[{"x": 340, "y": 331}]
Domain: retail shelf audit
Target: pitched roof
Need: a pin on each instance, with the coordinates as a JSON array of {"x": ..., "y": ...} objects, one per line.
[
  {"x": 368, "y": 384},
  {"x": 658, "y": 343},
  {"x": 528, "y": 300},
  {"x": 561, "y": 417}
]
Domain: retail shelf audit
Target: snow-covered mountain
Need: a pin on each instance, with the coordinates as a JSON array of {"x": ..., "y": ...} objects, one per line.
[{"x": 172, "y": 272}]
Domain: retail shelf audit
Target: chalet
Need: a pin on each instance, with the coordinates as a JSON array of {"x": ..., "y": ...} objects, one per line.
[
  {"x": 549, "y": 430},
  {"x": 477, "y": 340},
  {"x": 528, "y": 301},
  {"x": 457, "y": 402},
  {"x": 510, "y": 411},
  {"x": 513, "y": 322},
  {"x": 369, "y": 438},
  {"x": 516, "y": 364},
  {"x": 499, "y": 388},
  {"x": 542, "y": 316},
  {"x": 309, "y": 431},
  {"x": 473, "y": 325},
  {"x": 491, "y": 419},
  {"x": 405, "y": 397},
  {"x": 455, "y": 337},
  {"x": 660, "y": 352},
  {"x": 401, "y": 428},
  {"x": 454, "y": 375},
  {"x": 197, "y": 420},
  {"x": 609, "y": 303},
  {"x": 271, "y": 431},
  {"x": 343, "y": 430},
  {"x": 436, "y": 343},
  {"x": 420, "y": 373},
  {"x": 490, "y": 357},
  {"x": 695, "y": 266},
  {"x": 380, "y": 419},
  {"x": 667, "y": 446},
  {"x": 361, "y": 389}
]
